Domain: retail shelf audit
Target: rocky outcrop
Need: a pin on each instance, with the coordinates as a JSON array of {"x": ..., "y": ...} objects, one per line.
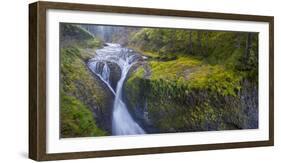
[
  {"x": 78, "y": 81},
  {"x": 81, "y": 87},
  {"x": 155, "y": 106},
  {"x": 115, "y": 72},
  {"x": 100, "y": 100}
]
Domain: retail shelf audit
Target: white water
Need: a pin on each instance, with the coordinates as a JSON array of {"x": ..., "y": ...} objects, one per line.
[{"x": 122, "y": 122}]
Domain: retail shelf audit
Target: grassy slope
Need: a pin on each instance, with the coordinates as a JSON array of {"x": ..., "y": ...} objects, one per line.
[{"x": 79, "y": 89}]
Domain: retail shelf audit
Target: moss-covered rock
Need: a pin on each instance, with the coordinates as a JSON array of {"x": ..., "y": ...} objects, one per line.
[
  {"x": 115, "y": 74},
  {"x": 81, "y": 93},
  {"x": 78, "y": 81},
  {"x": 184, "y": 95},
  {"x": 77, "y": 119}
]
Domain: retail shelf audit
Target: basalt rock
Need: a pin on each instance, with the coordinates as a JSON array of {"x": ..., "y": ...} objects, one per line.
[
  {"x": 189, "y": 110},
  {"x": 115, "y": 74}
]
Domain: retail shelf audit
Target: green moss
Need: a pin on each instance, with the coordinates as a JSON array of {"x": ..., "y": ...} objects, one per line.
[
  {"x": 93, "y": 43},
  {"x": 172, "y": 70},
  {"x": 140, "y": 72},
  {"x": 191, "y": 73},
  {"x": 150, "y": 54},
  {"x": 78, "y": 84},
  {"x": 174, "y": 107},
  {"x": 215, "y": 78},
  {"x": 196, "y": 78},
  {"x": 184, "y": 95},
  {"x": 76, "y": 78},
  {"x": 77, "y": 119},
  {"x": 133, "y": 86}
]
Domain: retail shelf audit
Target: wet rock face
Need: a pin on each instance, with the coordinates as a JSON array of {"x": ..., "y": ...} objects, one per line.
[
  {"x": 115, "y": 74},
  {"x": 98, "y": 98},
  {"x": 249, "y": 103},
  {"x": 102, "y": 114},
  {"x": 139, "y": 110},
  {"x": 99, "y": 67}
]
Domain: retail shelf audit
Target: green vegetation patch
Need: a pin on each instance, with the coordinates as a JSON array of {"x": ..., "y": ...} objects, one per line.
[
  {"x": 180, "y": 105},
  {"x": 74, "y": 32},
  {"x": 172, "y": 70},
  {"x": 198, "y": 79},
  {"x": 78, "y": 84},
  {"x": 74, "y": 35},
  {"x": 77, "y": 119},
  {"x": 150, "y": 54},
  {"x": 215, "y": 78},
  {"x": 133, "y": 85},
  {"x": 76, "y": 78},
  {"x": 82, "y": 96}
]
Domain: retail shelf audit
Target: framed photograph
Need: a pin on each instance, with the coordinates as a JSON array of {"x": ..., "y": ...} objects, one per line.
[{"x": 112, "y": 81}]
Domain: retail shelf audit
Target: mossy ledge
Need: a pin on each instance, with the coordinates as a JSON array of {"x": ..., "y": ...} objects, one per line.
[
  {"x": 186, "y": 94},
  {"x": 85, "y": 102},
  {"x": 194, "y": 80}
]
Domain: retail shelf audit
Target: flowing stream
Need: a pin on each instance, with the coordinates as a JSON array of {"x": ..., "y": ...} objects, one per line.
[{"x": 122, "y": 121}]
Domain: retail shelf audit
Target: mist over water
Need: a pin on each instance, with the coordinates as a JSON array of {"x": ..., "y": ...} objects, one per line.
[{"x": 122, "y": 121}]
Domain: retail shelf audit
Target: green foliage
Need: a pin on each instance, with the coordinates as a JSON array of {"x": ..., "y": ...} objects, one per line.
[
  {"x": 224, "y": 48},
  {"x": 74, "y": 35},
  {"x": 93, "y": 43},
  {"x": 159, "y": 40},
  {"x": 77, "y": 119},
  {"x": 74, "y": 32}
]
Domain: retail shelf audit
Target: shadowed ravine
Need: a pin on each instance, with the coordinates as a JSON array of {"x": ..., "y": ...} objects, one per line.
[{"x": 124, "y": 58}]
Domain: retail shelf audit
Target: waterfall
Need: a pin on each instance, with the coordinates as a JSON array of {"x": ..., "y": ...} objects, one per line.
[
  {"x": 105, "y": 72},
  {"x": 101, "y": 75},
  {"x": 122, "y": 121},
  {"x": 101, "y": 31}
]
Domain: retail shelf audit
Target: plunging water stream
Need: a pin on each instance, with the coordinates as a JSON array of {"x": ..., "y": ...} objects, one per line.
[{"x": 122, "y": 122}]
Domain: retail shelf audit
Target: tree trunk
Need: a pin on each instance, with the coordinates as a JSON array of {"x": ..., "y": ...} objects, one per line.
[
  {"x": 190, "y": 42},
  {"x": 207, "y": 43},
  {"x": 199, "y": 42},
  {"x": 238, "y": 40},
  {"x": 248, "y": 47}
]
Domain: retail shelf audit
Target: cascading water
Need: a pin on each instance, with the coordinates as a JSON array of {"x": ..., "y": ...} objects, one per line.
[
  {"x": 122, "y": 122},
  {"x": 105, "y": 72}
]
